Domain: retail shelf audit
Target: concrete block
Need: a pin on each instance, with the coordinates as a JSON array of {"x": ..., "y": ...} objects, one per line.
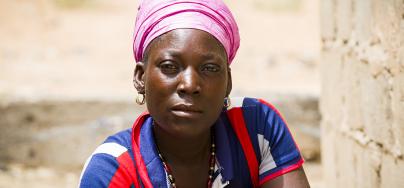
[
  {"x": 392, "y": 172},
  {"x": 395, "y": 62},
  {"x": 330, "y": 104},
  {"x": 344, "y": 19},
  {"x": 398, "y": 113},
  {"x": 387, "y": 22},
  {"x": 351, "y": 107},
  {"x": 346, "y": 161},
  {"x": 376, "y": 108},
  {"x": 328, "y": 153},
  {"x": 362, "y": 20},
  {"x": 327, "y": 19},
  {"x": 400, "y": 55},
  {"x": 355, "y": 162},
  {"x": 368, "y": 162}
]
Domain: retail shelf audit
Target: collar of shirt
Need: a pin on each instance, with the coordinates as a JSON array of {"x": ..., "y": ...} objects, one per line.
[{"x": 154, "y": 165}]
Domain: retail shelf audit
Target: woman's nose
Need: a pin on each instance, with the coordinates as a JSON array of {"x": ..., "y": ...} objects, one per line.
[{"x": 189, "y": 82}]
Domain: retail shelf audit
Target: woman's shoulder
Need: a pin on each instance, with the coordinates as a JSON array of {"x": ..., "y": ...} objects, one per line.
[
  {"x": 264, "y": 137},
  {"x": 122, "y": 138},
  {"x": 108, "y": 162},
  {"x": 115, "y": 145},
  {"x": 251, "y": 103},
  {"x": 257, "y": 115}
]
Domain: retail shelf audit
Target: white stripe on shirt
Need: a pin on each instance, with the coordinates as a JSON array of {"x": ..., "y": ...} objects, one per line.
[
  {"x": 113, "y": 149},
  {"x": 267, "y": 161}
]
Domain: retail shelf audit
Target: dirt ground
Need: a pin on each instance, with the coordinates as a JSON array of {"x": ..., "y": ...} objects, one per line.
[
  {"x": 73, "y": 52},
  {"x": 81, "y": 50}
]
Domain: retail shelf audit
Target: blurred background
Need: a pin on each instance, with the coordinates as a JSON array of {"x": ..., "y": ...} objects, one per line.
[{"x": 66, "y": 70}]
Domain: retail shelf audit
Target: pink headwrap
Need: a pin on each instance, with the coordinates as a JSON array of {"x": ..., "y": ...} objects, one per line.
[{"x": 156, "y": 17}]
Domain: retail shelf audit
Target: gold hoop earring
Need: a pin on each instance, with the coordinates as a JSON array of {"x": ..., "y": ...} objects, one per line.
[
  {"x": 227, "y": 102},
  {"x": 140, "y": 98}
]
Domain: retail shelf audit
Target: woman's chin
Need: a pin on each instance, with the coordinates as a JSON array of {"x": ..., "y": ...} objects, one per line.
[{"x": 187, "y": 130}]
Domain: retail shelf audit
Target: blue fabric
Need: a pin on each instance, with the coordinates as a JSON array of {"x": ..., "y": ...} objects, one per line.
[
  {"x": 149, "y": 153},
  {"x": 100, "y": 172},
  {"x": 260, "y": 119}
]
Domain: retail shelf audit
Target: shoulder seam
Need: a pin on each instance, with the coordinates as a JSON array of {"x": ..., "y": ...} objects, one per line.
[{"x": 110, "y": 148}]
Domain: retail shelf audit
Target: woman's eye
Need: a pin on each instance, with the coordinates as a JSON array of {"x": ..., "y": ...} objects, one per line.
[
  {"x": 211, "y": 68},
  {"x": 168, "y": 67}
]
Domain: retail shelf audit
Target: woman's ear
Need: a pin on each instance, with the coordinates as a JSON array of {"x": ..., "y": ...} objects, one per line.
[
  {"x": 138, "y": 77},
  {"x": 229, "y": 82}
]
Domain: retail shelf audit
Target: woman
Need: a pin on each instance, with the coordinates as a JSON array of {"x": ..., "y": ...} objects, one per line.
[{"x": 193, "y": 134}]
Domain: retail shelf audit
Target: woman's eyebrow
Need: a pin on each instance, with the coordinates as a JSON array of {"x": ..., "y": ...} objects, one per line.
[
  {"x": 212, "y": 56},
  {"x": 208, "y": 56},
  {"x": 171, "y": 52}
]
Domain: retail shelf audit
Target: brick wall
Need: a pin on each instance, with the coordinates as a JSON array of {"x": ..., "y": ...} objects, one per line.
[{"x": 362, "y": 100}]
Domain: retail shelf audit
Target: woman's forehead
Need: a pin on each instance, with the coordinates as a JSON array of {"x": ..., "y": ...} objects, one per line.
[{"x": 179, "y": 41}]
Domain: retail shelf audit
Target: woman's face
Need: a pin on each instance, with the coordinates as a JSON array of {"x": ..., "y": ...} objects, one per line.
[{"x": 185, "y": 79}]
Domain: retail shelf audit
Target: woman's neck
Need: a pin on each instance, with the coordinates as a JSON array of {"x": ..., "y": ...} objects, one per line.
[{"x": 183, "y": 149}]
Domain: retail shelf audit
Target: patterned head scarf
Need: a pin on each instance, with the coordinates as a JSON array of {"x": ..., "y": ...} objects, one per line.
[{"x": 156, "y": 17}]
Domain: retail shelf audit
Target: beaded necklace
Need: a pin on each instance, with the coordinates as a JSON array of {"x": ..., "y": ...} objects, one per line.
[{"x": 212, "y": 160}]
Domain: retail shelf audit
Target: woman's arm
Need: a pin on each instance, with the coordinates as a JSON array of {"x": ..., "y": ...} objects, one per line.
[
  {"x": 294, "y": 179},
  {"x": 281, "y": 161}
]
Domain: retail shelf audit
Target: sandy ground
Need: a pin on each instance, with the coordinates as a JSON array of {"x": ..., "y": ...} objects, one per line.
[
  {"x": 62, "y": 52},
  {"x": 85, "y": 52}
]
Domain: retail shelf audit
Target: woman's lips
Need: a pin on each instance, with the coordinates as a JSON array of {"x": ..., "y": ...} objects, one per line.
[{"x": 186, "y": 110}]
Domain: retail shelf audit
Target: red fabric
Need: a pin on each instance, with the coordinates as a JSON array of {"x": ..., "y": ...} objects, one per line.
[
  {"x": 122, "y": 176},
  {"x": 237, "y": 121},
  {"x": 141, "y": 167},
  {"x": 282, "y": 172},
  {"x": 120, "y": 179},
  {"x": 126, "y": 161}
]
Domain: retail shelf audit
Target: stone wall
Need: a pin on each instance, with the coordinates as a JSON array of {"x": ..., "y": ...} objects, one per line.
[
  {"x": 59, "y": 134},
  {"x": 362, "y": 100}
]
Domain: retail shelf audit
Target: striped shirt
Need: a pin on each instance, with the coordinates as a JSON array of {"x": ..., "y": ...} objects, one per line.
[{"x": 253, "y": 146}]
